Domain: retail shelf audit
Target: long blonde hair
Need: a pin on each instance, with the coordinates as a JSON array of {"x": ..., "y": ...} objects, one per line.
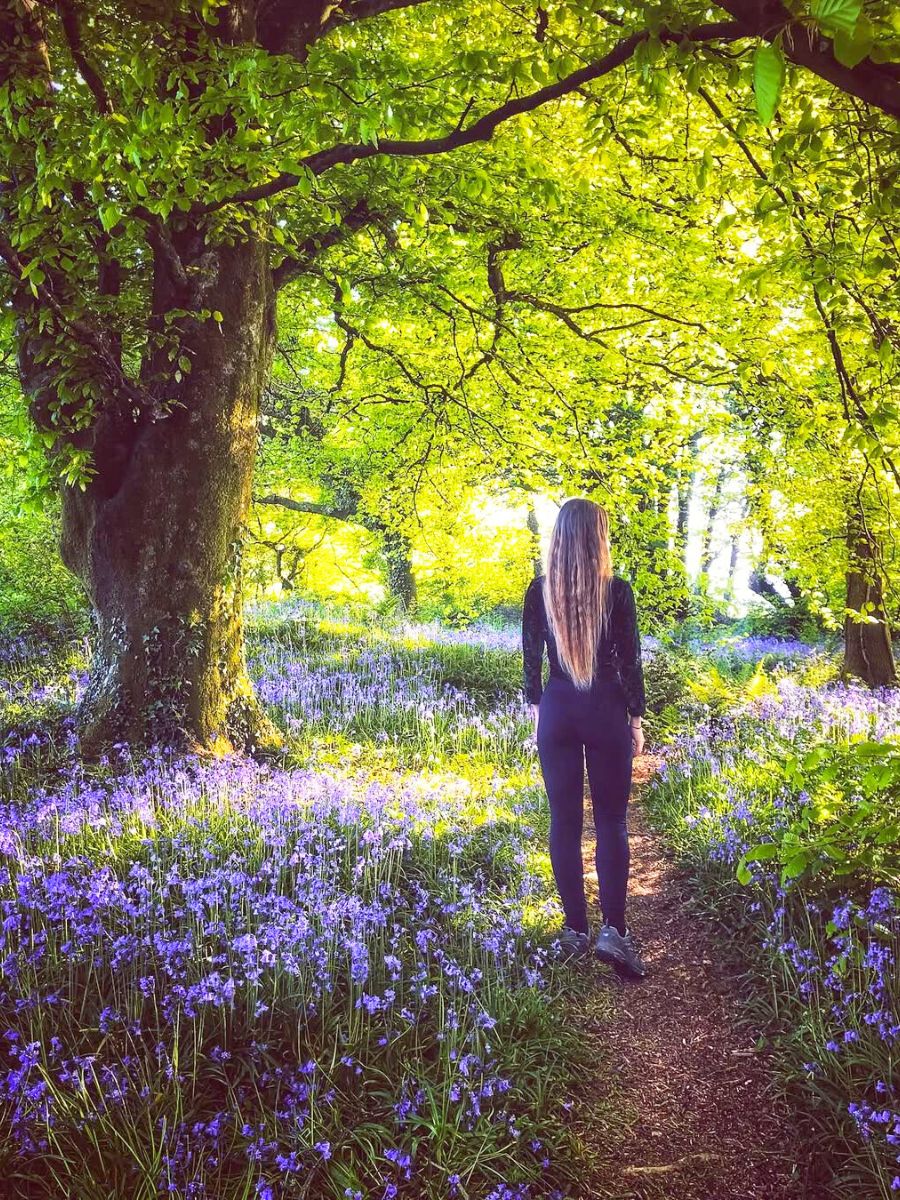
[{"x": 576, "y": 586}]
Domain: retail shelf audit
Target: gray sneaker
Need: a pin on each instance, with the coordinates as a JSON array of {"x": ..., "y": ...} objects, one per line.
[
  {"x": 619, "y": 950},
  {"x": 572, "y": 943}
]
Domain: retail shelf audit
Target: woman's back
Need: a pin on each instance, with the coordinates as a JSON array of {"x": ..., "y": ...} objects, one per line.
[{"x": 618, "y": 646}]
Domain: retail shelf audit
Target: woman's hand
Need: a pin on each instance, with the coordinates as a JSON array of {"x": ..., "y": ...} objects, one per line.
[
  {"x": 535, "y": 711},
  {"x": 637, "y": 737}
]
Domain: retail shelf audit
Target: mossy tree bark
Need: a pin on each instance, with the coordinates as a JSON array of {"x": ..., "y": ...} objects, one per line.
[
  {"x": 156, "y": 536},
  {"x": 401, "y": 581}
]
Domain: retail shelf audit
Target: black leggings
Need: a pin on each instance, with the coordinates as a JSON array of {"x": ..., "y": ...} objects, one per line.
[{"x": 574, "y": 727}]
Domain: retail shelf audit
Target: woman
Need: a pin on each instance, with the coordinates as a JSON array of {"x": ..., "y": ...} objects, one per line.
[{"x": 590, "y": 710}]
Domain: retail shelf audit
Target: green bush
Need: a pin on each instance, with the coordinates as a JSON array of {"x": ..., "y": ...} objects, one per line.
[{"x": 35, "y": 586}]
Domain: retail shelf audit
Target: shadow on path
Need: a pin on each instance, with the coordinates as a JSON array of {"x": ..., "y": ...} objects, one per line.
[{"x": 699, "y": 1117}]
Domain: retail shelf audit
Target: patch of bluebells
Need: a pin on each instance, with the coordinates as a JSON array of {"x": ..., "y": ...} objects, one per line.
[
  {"x": 278, "y": 943},
  {"x": 35, "y": 670},
  {"x": 388, "y": 694},
  {"x": 840, "y": 952},
  {"x": 488, "y": 637},
  {"x": 755, "y": 648},
  {"x": 386, "y": 691},
  {"x": 39, "y": 681},
  {"x": 317, "y": 931},
  {"x": 308, "y": 615}
]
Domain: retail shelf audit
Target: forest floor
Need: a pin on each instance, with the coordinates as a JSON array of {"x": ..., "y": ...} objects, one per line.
[{"x": 695, "y": 1115}]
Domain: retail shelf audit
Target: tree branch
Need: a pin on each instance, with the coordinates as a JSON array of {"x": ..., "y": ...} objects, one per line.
[
  {"x": 481, "y": 130},
  {"x": 88, "y": 72},
  {"x": 88, "y": 338},
  {"x": 875, "y": 83},
  {"x": 337, "y": 512},
  {"x": 292, "y": 26},
  {"x": 565, "y": 313},
  {"x": 361, "y": 10},
  {"x": 355, "y": 219}
]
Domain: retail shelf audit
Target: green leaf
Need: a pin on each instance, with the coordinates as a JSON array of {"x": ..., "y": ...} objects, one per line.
[
  {"x": 850, "y": 48},
  {"x": 794, "y": 868},
  {"x": 704, "y": 167},
  {"x": 837, "y": 14},
  {"x": 768, "y": 79},
  {"x": 761, "y": 852},
  {"x": 305, "y": 177},
  {"x": 814, "y": 758},
  {"x": 110, "y": 215}
]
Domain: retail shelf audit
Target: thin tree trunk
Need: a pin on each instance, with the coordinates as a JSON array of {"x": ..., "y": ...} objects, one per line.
[
  {"x": 732, "y": 568},
  {"x": 399, "y": 572},
  {"x": 685, "y": 486},
  {"x": 684, "y": 500},
  {"x": 868, "y": 653},
  {"x": 534, "y": 529},
  {"x": 796, "y": 592},
  {"x": 706, "y": 553}
]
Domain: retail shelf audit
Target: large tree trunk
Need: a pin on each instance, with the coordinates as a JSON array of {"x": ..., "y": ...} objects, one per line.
[
  {"x": 156, "y": 538},
  {"x": 867, "y": 640}
]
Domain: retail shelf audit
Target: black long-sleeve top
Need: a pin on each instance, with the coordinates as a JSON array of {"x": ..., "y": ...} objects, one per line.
[{"x": 619, "y": 647}]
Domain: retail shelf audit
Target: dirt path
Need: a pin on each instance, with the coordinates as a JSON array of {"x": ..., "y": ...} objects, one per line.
[{"x": 698, "y": 1117}]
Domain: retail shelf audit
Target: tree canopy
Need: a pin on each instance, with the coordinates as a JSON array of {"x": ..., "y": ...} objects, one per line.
[{"x": 548, "y": 246}]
